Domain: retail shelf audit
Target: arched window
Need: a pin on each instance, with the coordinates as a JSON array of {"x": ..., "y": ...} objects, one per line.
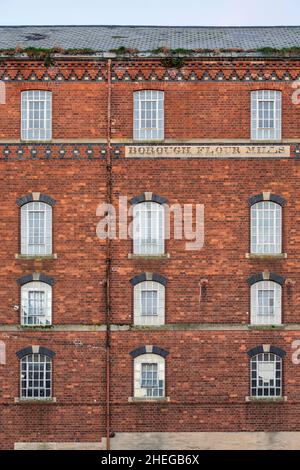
[
  {"x": 266, "y": 375},
  {"x": 266, "y": 303},
  {"x": 149, "y": 376},
  {"x": 36, "y": 228},
  {"x": 266, "y": 228},
  {"x": 149, "y": 302},
  {"x": 148, "y": 115},
  {"x": 36, "y": 304},
  {"x": 36, "y": 110},
  {"x": 265, "y": 115},
  {"x": 148, "y": 228},
  {"x": 36, "y": 376}
]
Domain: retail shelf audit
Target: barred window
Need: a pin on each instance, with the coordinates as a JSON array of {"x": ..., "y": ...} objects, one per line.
[
  {"x": 36, "y": 300},
  {"x": 149, "y": 303},
  {"x": 149, "y": 376},
  {"x": 148, "y": 228},
  {"x": 36, "y": 229},
  {"x": 266, "y": 228},
  {"x": 266, "y": 303},
  {"x": 266, "y": 375},
  {"x": 265, "y": 115},
  {"x": 36, "y": 115},
  {"x": 36, "y": 376},
  {"x": 148, "y": 115}
]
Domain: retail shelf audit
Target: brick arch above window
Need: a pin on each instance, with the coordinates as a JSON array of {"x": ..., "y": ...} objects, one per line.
[
  {"x": 267, "y": 196},
  {"x": 149, "y": 349},
  {"x": 36, "y": 197},
  {"x": 35, "y": 277},
  {"x": 148, "y": 197},
  {"x": 35, "y": 350},
  {"x": 265, "y": 276},
  {"x": 266, "y": 348},
  {"x": 148, "y": 277}
]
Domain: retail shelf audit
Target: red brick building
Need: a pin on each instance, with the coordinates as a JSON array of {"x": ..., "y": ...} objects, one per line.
[{"x": 144, "y": 343}]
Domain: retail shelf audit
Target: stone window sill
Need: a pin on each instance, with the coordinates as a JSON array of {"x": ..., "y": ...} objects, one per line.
[
  {"x": 35, "y": 401},
  {"x": 265, "y": 256},
  {"x": 266, "y": 399},
  {"x": 148, "y": 399},
  {"x": 36, "y": 257},
  {"x": 266, "y": 327},
  {"x": 162, "y": 256}
]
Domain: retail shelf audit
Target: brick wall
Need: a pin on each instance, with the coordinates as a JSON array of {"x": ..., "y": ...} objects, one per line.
[{"x": 207, "y": 371}]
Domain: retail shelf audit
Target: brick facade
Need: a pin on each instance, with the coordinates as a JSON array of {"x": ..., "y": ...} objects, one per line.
[{"x": 207, "y": 337}]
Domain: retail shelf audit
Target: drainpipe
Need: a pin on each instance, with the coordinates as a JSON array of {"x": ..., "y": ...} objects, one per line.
[{"x": 108, "y": 255}]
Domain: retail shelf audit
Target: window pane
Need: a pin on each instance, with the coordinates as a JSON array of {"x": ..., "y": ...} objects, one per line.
[
  {"x": 264, "y": 379},
  {"x": 148, "y": 115},
  {"x": 39, "y": 387},
  {"x": 36, "y": 115},
  {"x": 266, "y": 228}
]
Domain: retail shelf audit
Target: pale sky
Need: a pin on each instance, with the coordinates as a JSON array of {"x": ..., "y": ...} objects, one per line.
[{"x": 151, "y": 12}]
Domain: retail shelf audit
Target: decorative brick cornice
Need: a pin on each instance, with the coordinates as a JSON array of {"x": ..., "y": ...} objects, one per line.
[
  {"x": 266, "y": 349},
  {"x": 152, "y": 70},
  {"x": 35, "y": 350},
  {"x": 36, "y": 277},
  {"x": 52, "y": 151},
  {"x": 148, "y": 277},
  {"x": 149, "y": 350},
  {"x": 266, "y": 196}
]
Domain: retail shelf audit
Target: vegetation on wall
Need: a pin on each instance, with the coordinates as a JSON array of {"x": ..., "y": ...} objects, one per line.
[{"x": 172, "y": 58}]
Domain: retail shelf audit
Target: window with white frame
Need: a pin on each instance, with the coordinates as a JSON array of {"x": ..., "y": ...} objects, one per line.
[
  {"x": 36, "y": 303},
  {"x": 266, "y": 228},
  {"x": 36, "y": 115},
  {"x": 266, "y": 303},
  {"x": 36, "y": 376},
  {"x": 265, "y": 115},
  {"x": 266, "y": 375},
  {"x": 148, "y": 228},
  {"x": 149, "y": 376},
  {"x": 148, "y": 115},
  {"x": 36, "y": 228},
  {"x": 149, "y": 303}
]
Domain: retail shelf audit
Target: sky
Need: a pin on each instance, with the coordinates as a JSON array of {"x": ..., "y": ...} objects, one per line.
[{"x": 151, "y": 12}]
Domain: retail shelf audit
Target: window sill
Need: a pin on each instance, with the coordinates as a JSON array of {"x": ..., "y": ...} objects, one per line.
[
  {"x": 266, "y": 327},
  {"x": 35, "y": 141},
  {"x": 266, "y": 256},
  {"x": 36, "y": 327},
  {"x": 266, "y": 399},
  {"x": 147, "y": 141},
  {"x": 148, "y": 399},
  {"x": 162, "y": 256},
  {"x": 35, "y": 401},
  {"x": 36, "y": 257}
]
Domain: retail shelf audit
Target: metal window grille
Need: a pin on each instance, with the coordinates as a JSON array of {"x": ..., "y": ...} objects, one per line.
[
  {"x": 149, "y": 303},
  {"x": 266, "y": 115},
  {"x": 150, "y": 380},
  {"x": 149, "y": 376},
  {"x": 36, "y": 376},
  {"x": 148, "y": 115},
  {"x": 36, "y": 229},
  {"x": 36, "y": 300},
  {"x": 266, "y": 375},
  {"x": 36, "y": 110},
  {"x": 266, "y": 303},
  {"x": 148, "y": 228},
  {"x": 266, "y": 228}
]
